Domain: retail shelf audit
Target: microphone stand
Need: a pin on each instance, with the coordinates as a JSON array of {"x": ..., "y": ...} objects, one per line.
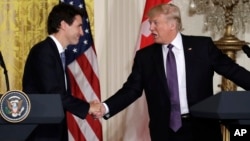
[
  {"x": 6, "y": 79},
  {"x": 5, "y": 72}
]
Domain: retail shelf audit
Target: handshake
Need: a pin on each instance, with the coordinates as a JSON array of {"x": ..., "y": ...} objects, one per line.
[{"x": 97, "y": 109}]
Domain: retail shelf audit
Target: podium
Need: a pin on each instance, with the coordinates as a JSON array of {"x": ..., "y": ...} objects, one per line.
[
  {"x": 232, "y": 108},
  {"x": 45, "y": 109}
]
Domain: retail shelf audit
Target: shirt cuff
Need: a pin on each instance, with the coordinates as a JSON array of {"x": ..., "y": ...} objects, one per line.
[{"x": 106, "y": 107}]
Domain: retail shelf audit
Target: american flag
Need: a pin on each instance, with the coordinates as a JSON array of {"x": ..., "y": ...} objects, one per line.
[{"x": 82, "y": 68}]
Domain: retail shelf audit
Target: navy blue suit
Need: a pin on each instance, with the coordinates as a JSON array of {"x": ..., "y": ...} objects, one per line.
[{"x": 202, "y": 59}]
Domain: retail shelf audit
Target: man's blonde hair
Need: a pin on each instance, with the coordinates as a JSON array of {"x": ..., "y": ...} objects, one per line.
[{"x": 170, "y": 10}]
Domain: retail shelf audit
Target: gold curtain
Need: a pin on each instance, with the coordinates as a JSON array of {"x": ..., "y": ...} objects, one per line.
[
  {"x": 22, "y": 24},
  {"x": 90, "y": 9}
]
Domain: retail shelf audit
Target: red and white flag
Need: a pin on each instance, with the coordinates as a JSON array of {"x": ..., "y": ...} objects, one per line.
[
  {"x": 137, "y": 119},
  {"x": 84, "y": 81}
]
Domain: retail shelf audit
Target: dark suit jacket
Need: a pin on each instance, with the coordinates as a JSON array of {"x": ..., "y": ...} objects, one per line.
[
  {"x": 202, "y": 59},
  {"x": 43, "y": 74}
]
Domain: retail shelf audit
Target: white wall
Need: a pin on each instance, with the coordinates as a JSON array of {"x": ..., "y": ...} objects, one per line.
[{"x": 117, "y": 24}]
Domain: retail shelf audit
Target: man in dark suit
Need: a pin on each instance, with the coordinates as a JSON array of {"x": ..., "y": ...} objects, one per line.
[
  {"x": 197, "y": 58},
  {"x": 44, "y": 71}
]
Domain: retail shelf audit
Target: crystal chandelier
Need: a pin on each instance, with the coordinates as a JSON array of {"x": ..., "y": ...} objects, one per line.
[
  {"x": 225, "y": 16},
  {"x": 221, "y": 15}
]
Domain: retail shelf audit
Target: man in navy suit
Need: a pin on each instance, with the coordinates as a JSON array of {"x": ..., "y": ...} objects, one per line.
[
  {"x": 197, "y": 59},
  {"x": 44, "y": 72}
]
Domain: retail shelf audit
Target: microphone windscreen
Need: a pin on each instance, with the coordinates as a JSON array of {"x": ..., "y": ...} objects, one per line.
[
  {"x": 1, "y": 61},
  {"x": 246, "y": 50}
]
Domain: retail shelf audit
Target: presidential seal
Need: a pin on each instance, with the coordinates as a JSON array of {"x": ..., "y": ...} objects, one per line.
[{"x": 14, "y": 106}]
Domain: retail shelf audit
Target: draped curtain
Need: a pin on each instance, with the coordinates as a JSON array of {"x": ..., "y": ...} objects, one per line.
[{"x": 22, "y": 24}]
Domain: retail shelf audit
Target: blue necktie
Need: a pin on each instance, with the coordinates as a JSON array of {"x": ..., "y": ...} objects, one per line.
[
  {"x": 172, "y": 80},
  {"x": 63, "y": 59},
  {"x": 62, "y": 55}
]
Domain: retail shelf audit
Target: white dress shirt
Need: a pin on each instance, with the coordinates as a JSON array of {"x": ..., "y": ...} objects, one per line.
[{"x": 180, "y": 63}]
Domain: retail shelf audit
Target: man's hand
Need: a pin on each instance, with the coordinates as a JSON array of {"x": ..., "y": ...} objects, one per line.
[{"x": 97, "y": 109}]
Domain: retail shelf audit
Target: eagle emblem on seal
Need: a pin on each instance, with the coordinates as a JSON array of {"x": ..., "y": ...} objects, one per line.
[{"x": 15, "y": 107}]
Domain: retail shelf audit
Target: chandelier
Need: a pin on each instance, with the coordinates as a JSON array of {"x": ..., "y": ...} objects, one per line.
[{"x": 221, "y": 15}]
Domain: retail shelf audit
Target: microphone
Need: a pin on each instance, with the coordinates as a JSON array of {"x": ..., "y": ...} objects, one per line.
[
  {"x": 246, "y": 50},
  {"x": 2, "y": 64}
]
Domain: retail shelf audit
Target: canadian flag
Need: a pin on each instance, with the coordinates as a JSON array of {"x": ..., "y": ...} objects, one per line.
[{"x": 137, "y": 119}]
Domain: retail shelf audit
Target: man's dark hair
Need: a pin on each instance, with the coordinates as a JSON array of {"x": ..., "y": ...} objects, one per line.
[{"x": 61, "y": 12}]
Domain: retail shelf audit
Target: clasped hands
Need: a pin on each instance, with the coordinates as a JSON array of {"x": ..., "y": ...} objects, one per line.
[{"x": 97, "y": 109}]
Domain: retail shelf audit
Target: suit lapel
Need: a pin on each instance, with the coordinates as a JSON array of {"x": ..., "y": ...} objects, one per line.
[
  {"x": 188, "y": 53},
  {"x": 158, "y": 60},
  {"x": 55, "y": 50}
]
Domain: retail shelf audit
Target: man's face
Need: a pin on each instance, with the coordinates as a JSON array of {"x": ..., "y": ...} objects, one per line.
[
  {"x": 161, "y": 29},
  {"x": 74, "y": 31}
]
